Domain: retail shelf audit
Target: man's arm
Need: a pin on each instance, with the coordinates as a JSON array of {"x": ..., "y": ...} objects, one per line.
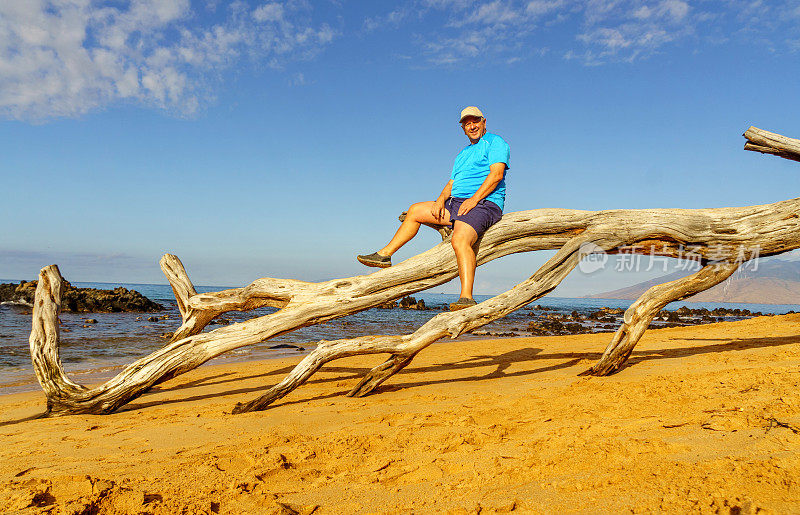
[
  {"x": 438, "y": 205},
  {"x": 496, "y": 173}
]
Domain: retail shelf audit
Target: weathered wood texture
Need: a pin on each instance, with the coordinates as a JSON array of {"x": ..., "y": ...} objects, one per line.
[
  {"x": 721, "y": 239},
  {"x": 766, "y": 142}
]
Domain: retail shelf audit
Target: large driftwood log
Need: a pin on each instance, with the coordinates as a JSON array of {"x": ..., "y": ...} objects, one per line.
[{"x": 721, "y": 239}]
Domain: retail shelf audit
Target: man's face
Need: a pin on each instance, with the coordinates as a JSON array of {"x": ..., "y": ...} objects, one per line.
[{"x": 474, "y": 127}]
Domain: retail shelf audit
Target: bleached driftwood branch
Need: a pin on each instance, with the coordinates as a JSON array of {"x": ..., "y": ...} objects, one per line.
[
  {"x": 721, "y": 238},
  {"x": 759, "y": 140}
]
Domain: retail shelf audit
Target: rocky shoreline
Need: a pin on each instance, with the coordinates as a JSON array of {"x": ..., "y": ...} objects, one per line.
[
  {"x": 83, "y": 300},
  {"x": 549, "y": 321},
  {"x": 546, "y": 322}
]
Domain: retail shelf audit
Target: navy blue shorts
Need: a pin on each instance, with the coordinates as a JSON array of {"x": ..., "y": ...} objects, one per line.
[{"x": 480, "y": 217}]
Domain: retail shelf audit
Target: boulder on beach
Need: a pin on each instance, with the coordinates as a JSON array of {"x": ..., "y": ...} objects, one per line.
[
  {"x": 412, "y": 303},
  {"x": 83, "y": 300},
  {"x": 547, "y": 327}
]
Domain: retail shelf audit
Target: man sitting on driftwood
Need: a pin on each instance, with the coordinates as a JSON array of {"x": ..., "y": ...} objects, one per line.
[{"x": 471, "y": 202}]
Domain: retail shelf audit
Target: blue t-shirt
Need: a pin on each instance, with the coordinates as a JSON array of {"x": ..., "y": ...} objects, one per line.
[{"x": 472, "y": 167}]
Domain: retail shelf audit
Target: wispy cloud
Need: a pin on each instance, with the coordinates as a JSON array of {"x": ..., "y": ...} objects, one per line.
[
  {"x": 392, "y": 19},
  {"x": 482, "y": 30},
  {"x": 597, "y": 31},
  {"x": 630, "y": 29},
  {"x": 69, "y": 57},
  {"x": 496, "y": 13}
]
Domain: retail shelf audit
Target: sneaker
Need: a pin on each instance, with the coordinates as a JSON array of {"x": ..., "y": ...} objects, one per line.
[
  {"x": 376, "y": 259},
  {"x": 462, "y": 303}
]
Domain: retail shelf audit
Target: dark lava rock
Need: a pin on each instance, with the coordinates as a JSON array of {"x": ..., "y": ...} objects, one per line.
[
  {"x": 601, "y": 316},
  {"x": 412, "y": 303},
  {"x": 91, "y": 320},
  {"x": 152, "y": 319},
  {"x": 492, "y": 333},
  {"x": 407, "y": 302},
  {"x": 287, "y": 346},
  {"x": 604, "y": 314},
  {"x": 387, "y": 305},
  {"x": 83, "y": 300},
  {"x": 554, "y": 327}
]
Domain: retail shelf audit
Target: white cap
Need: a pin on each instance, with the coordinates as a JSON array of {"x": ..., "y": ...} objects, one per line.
[{"x": 470, "y": 111}]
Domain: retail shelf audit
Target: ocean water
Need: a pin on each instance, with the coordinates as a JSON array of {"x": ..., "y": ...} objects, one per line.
[{"x": 92, "y": 352}]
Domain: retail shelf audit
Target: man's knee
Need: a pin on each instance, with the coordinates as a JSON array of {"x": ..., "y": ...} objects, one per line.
[
  {"x": 462, "y": 239},
  {"x": 415, "y": 211}
]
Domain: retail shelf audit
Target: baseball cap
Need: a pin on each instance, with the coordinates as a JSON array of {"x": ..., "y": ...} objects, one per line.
[{"x": 470, "y": 111}]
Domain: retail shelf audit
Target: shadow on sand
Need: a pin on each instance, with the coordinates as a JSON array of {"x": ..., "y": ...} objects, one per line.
[{"x": 500, "y": 364}]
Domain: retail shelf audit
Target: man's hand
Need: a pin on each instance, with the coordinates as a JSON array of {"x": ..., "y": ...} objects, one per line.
[
  {"x": 438, "y": 209},
  {"x": 467, "y": 206}
]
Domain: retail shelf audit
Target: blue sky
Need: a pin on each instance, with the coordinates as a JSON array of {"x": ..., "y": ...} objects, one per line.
[{"x": 280, "y": 139}]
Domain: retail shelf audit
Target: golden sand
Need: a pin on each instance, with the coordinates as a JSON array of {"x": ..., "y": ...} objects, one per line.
[{"x": 704, "y": 419}]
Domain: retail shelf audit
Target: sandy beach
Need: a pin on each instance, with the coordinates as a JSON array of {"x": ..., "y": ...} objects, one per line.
[{"x": 704, "y": 419}]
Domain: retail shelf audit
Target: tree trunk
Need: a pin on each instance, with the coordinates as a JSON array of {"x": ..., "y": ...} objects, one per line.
[{"x": 721, "y": 239}]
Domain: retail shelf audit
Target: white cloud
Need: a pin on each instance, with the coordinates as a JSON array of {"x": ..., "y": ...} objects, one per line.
[
  {"x": 643, "y": 12},
  {"x": 453, "y": 50},
  {"x": 601, "y": 30},
  {"x": 677, "y": 9},
  {"x": 607, "y": 30},
  {"x": 495, "y": 13},
  {"x": 298, "y": 79},
  {"x": 448, "y": 4},
  {"x": 69, "y": 57},
  {"x": 478, "y": 30},
  {"x": 612, "y": 39},
  {"x": 627, "y": 30},
  {"x": 392, "y": 19},
  {"x": 540, "y": 7},
  {"x": 269, "y": 12}
]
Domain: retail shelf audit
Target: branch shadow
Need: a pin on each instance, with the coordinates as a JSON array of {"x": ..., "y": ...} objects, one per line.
[
  {"x": 23, "y": 419},
  {"x": 500, "y": 364},
  {"x": 208, "y": 381},
  {"x": 727, "y": 345},
  {"x": 501, "y": 361}
]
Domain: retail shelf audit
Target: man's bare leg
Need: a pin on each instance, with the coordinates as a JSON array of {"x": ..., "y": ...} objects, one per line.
[
  {"x": 417, "y": 214},
  {"x": 463, "y": 239}
]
